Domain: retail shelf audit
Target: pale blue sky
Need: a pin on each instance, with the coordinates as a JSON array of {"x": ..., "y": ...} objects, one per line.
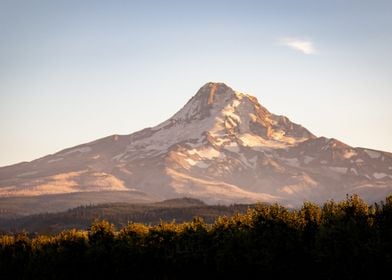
[{"x": 75, "y": 71}]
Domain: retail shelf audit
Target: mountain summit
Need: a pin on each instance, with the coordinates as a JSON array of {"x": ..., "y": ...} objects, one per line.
[{"x": 222, "y": 146}]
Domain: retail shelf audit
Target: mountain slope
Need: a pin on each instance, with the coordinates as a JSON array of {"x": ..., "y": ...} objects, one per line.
[{"x": 222, "y": 146}]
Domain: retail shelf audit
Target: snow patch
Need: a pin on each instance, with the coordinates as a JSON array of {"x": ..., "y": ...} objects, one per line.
[
  {"x": 291, "y": 161},
  {"x": 202, "y": 164},
  {"x": 253, "y": 160},
  {"x": 307, "y": 184},
  {"x": 353, "y": 170},
  {"x": 189, "y": 111},
  {"x": 84, "y": 149},
  {"x": 287, "y": 190},
  {"x": 190, "y": 161},
  {"x": 206, "y": 153},
  {"x": 27, "y": 174},
  {"x": 221, "y": 141},
  {"x": 251, "y": 140},
  {"x": 232, "y": 147},
  {"x": 55, "y": 160},
  {"x": 245, "y": 162},
  {"x": 372, "y": 154},
  {"x": 229, "y": 111},
  {"x": 258, "y": 143},
  {"x": 278, "y": 134},
  {"x": 118, "y": 157},
  {"x": 342, "y": 170},
  {"x": 308, "y": 159},
  {"x": 379, "y": 175}
]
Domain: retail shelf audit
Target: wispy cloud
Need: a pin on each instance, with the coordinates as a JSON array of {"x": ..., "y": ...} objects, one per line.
[{"x": 305, "y": 46}]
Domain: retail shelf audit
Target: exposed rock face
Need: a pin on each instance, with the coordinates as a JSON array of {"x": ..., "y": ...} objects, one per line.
[{"x": 222, "y": 146}]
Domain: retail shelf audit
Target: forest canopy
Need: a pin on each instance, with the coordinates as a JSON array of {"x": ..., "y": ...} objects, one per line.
[{"x": 347, "y": 239}]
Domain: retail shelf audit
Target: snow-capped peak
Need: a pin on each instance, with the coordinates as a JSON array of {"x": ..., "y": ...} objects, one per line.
[
  {"x": 236, "y": 112},
  {"x": 210, "y": 96},
  {"x": 220, "y": 116}
]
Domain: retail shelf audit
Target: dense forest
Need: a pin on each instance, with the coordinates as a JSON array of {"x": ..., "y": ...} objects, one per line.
[
  {"x": 338, "y": 240},
  {"x": 179, "y": 210}
]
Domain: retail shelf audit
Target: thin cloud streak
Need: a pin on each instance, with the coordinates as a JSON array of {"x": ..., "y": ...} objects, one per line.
[{"x": 305, "y": 46}]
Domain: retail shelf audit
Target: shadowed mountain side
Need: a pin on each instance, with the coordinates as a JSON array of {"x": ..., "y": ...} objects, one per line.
[{"x": 11, "y": 207}]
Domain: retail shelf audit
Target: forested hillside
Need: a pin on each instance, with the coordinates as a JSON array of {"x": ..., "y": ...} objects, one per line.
[
  {"x": 345, "y": 240},
  {"x": 179, "y": 210}
]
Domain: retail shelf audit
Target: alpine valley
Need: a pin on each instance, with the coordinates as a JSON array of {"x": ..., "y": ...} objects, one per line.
[{"x": 223, "y": 147}]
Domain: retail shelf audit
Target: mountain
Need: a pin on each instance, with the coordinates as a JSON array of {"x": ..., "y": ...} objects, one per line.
[{"x": 223, "y": 146}]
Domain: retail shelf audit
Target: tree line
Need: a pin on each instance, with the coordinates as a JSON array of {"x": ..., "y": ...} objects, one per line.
[
  {"x": 180, "y": 209},
  {"x": 348, "y": 239}
]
